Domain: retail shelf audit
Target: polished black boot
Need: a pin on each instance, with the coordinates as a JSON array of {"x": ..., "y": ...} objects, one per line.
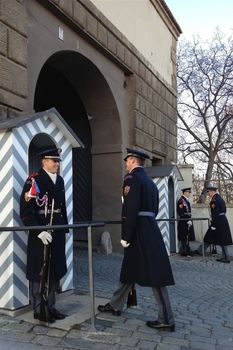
[
  {"x": 56, "y": 314},
  {"x": 226, "y": 261},
  {"x": 42, "y": 318},
  {"x": 161, "y": 326},
  {"x": 108, "y": 308}
]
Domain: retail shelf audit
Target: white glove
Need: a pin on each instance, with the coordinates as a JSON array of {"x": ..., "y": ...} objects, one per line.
[
  {"x": 213, "y": 228},
  {"x": 189, "y": 223},
  {"x": 46, "y": 237},
  {"x": 124, "y": 244}
]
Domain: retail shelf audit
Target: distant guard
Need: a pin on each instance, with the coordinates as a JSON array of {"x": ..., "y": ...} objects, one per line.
[
  {"x": 219, "y": 232},
  {"x": 185, "y": 225}
]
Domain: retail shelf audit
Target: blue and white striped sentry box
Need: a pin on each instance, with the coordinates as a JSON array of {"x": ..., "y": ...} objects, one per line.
[{"x": 16, "y": 136}]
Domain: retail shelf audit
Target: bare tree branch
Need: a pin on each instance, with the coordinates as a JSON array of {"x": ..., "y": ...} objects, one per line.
[{"x": 205, "y": 105}]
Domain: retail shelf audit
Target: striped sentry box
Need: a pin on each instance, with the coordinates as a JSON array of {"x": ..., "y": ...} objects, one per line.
[
  {"x": 15, "y": 139},
  {"x": 162, "y": 184}
]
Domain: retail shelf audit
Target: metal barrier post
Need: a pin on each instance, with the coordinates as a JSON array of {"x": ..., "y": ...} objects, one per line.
[
  {"x": 202, "y": 239},
  {"x": 91, "y": 280}
]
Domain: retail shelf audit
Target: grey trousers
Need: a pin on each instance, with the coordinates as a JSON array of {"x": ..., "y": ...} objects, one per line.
[
  {"x": 165, "y": 314},
  {"x": 224, "y": 248},
  {"x": 36, "y": 298}
]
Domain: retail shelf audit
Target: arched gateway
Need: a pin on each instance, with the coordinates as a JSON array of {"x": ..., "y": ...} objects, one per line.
[{"x": 75, "y": 87}]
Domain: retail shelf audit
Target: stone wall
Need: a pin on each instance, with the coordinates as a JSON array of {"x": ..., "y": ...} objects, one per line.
[
  {"x": 155, "y": 117},
  {"x": 153, "y": 120},
  {"x": 13, "y": 57},
  {"x": 152, "y": 116}
]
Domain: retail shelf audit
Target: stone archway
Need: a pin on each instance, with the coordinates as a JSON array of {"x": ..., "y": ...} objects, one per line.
[{"x": 73, "y": 85}]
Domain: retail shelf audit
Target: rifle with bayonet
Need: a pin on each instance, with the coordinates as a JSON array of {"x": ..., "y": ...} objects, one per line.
[{"x": 45, "y": 276}]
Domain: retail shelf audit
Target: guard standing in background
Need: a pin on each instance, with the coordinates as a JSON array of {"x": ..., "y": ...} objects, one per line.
[
  {"x": 185, "y": 226},
  {"x": 218, "y": 232},
  {"x": 39, "y": 192},
  {"x": 145, "y": 259}
]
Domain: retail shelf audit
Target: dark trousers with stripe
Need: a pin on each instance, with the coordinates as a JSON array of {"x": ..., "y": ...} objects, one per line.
[
  {"x": 165, "y": 314},
  {"x": 54, "y": 286}
]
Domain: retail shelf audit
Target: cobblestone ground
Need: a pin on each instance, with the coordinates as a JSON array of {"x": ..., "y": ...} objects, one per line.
[{"x": 202, "y": 301}]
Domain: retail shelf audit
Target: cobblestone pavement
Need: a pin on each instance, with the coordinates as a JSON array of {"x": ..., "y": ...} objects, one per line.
[{"x": 202, "y": 301}]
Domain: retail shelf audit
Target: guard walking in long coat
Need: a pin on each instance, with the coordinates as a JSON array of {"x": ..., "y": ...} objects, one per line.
[
  {"x": 185, "y": 226},
  {"x": 41, "y": 191},
  {"x": 145, "y": 259},
  {"x": 218, "y": 232}
]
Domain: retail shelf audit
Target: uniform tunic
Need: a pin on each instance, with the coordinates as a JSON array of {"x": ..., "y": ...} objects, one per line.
[
  {"x": 222, "y": 234},
  {"x": 32, "y": 215},
  {"x": 146, "y": 260},
  {"x": 184, "y": 212}
]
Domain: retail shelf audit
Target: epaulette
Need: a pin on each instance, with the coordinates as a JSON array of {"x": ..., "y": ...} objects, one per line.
[
  {"x": 128, "y": 177},
  {"x": 182, "y": 203},
  {"x": 32, "y": 175},
  {"x": 181, "y": 200}
]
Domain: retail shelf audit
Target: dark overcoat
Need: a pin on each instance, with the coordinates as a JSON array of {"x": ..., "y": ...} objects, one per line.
[
  {"x": 184, "y": 212},
  {"x": 145, "y": 261},
  {"x": 30, "y": 213},
  {"x": 222, "y": 234}
]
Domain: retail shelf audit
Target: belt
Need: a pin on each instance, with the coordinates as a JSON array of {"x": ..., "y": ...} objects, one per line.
[
  {"x": 146, "y": 213},
  {"x": 220, "y": 214},
  {"x": 55, "y": 211}
]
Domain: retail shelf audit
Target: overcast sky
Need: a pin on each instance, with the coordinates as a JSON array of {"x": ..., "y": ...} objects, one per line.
[{"x": 202, "y": 16}]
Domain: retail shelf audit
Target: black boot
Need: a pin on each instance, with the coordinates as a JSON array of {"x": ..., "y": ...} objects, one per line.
[
  {"x": 108, "y": 308},
  {"x": 161, "y": 326}
]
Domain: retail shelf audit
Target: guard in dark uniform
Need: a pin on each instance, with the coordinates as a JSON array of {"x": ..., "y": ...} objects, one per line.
[
  {"x": 185, "y": 226},
  {"x": 41, "y": 191},
  {"x": 218, "y": 232},
  {"x": 145, "y": 259}
]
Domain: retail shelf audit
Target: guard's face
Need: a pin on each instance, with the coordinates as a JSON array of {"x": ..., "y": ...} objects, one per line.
[
  {"x": 187, "y": 194},
  {"x": 51, "y": 165},
  {"x": 210, "y": 193},
  {"x": 130, "y": 163}
]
